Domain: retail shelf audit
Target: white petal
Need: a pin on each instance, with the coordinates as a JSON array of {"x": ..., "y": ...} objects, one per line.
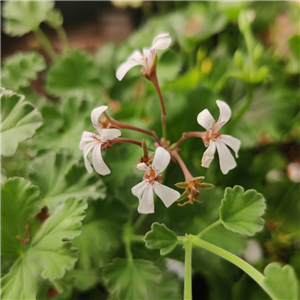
[
  {"x": 142, "y": 166},
  {"x": 232, "y": 142},
  {"x": 205, "y": 119},
  {"x": 109, "y": 134},
  {"x": 135, "y": 55},
  {"x": 225, "y": 112},
  {"x": 87, "y": 148},
  {"x": 161, "y": 160},
  {"x": 98, "y": 163},
  {"x": 146, "y": 202},
  {"x": 166, "y": 194},
  {"x": 227, "y": 161},
  {"x": 126, "y": 66},
  {"x": 138, "y": 189},
  {"x": 208, "y": 155},
  {"x": 95, "y": 116},
  {"x": 161, "y": 42},
  {"x": 86, "y": 137}
]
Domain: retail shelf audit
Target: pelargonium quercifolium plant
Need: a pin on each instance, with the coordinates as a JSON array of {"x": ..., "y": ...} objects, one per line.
[{"x": 26, "y": 238}]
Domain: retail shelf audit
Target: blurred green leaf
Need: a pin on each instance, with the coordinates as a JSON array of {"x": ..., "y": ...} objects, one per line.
[
  {"x": 241, "y": 211},
  {"x": 19, "y": 120},
  {"x": 160, "y": 237},
  {"x": 21, "y": 17},
  {"x": 131, "y": 279},
  {"x": 74, "y": 72},
  {"x": 54, "y": 18},
  {"x": 281, "y": 282},
  {"x": 20, "y": 69},
  {"x": 60, "y": 177},
  {"x": 48, "y": 255}
]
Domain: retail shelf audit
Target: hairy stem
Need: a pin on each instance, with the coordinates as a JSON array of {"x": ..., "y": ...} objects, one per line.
[
  {"x": 188, "y": 270},
  {"x": 209, "y": 228},
  {"x": 187, "y": 175},
  {"x": 45, "y": 43}
]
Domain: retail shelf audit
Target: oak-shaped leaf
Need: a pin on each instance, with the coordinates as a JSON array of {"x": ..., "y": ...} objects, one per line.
[
  {"x": 161, "y": 237},
  {"x": 59, "y": 177},
  {"x": 19, "y": 120},
  {"x": 20, "y": 202},
  {"x": 47, "y": 257},
  {"x": 131, "y": 279},
  {"x": 281, "y": 282},
  {"x": 73, "y": 73},
  {"x": 241, "y": 211},
  {"x": 21, "y": 17},
  {"x": 20, "y": 69}
]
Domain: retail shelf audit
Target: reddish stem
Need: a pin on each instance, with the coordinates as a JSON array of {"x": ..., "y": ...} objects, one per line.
[
  {"x": 186, "y": 172},
  {"x": 185, "y": 135},
  {"x": 124, "y": 140},
  {"x": 153, "y": 78},
  {"x": 127, "y": 126}
]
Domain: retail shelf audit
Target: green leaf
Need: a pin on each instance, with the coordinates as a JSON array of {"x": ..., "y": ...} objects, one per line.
[
  {"x": 49, "y": 254},
  {"x": 54, "y": 18},
  {"x": 19, "y": 120},
  {"x": 20, "y": 202},
  {"x": 60, "y": 177},
  {"x": 20, "y": 69},
  {"x": 241, "y": 211},
  {"x": 21, "y": 17},
  {"x": 74, "y": 72},
  {"x": 76, "y": 119},
  {"x": 131, "y": 279},
  {"x": 161, "y": 237},
  {"x": 281, "y": 282}
]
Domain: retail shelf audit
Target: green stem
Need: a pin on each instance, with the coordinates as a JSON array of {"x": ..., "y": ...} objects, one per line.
[
  {"x": 188, "y": 270},
  {"x": 244, "y": 108},
  {"x": 138, "y": 222},
  {"x": 45, "y": 43},
  {"x": 137, "y": 238},
  {"x": 127, "y": 240},
  {"x": 63, "y": 37},
  {"x": 252, "y": 272},
  {"x": 209, "y": 228}
]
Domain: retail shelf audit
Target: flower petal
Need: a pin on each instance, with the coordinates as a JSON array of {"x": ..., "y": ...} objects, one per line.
[
  {"x": 87, "y": 148},
  {"x": 161, "y": 160},
  {"x": 227, "y": 161},
  {"x": 109, "y": 134},
  {"x": 166, "y": 194},
  {"x": 205, "y": 119},
  {"x": 126, "y": 66},
  {"x": 86, "y": 137},
  {"x": 95, "y": 116},
  {"x": 135, "y": 55},
  {"x": 138, "y": 189},
  {"x": 209, "y": 154},
  {"x": 161, "y": 42},
  {"x": 232, "y": 142},
  {"x": 98, "y": 163},
  {"x": 147, "y": 202},
  {"x": 142, "y": 167},
  {"x": 225, "y": 113}
]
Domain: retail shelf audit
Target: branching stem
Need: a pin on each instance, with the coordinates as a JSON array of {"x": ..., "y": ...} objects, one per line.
[{"x": 209, "y": 228}]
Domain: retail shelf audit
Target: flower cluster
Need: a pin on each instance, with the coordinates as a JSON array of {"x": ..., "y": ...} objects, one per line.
[{"x": 108, "y": 133}]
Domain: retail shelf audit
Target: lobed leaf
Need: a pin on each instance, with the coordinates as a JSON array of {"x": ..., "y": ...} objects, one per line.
[
  {"x": 19, "y": 120},
  {"x": 20, "y": 202},
  {"x": 241, "y": 211},
  {"x": 47, "y": 256},
  {"x": 281, "y": 282},
  {"x": 161, "y": 237},
  {"x": 21, "y": 17},
  {"x": 131, "y": 279},
  {"x": 60, "y": 177}
]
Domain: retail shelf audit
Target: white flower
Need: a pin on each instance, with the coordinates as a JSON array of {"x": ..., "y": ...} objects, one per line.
[
  {"x": 213, "y": 139},
  {"x": 144, "y": 190},
  {"x": 145, "y": 59},
  {"x": 90, "y": 140}
]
